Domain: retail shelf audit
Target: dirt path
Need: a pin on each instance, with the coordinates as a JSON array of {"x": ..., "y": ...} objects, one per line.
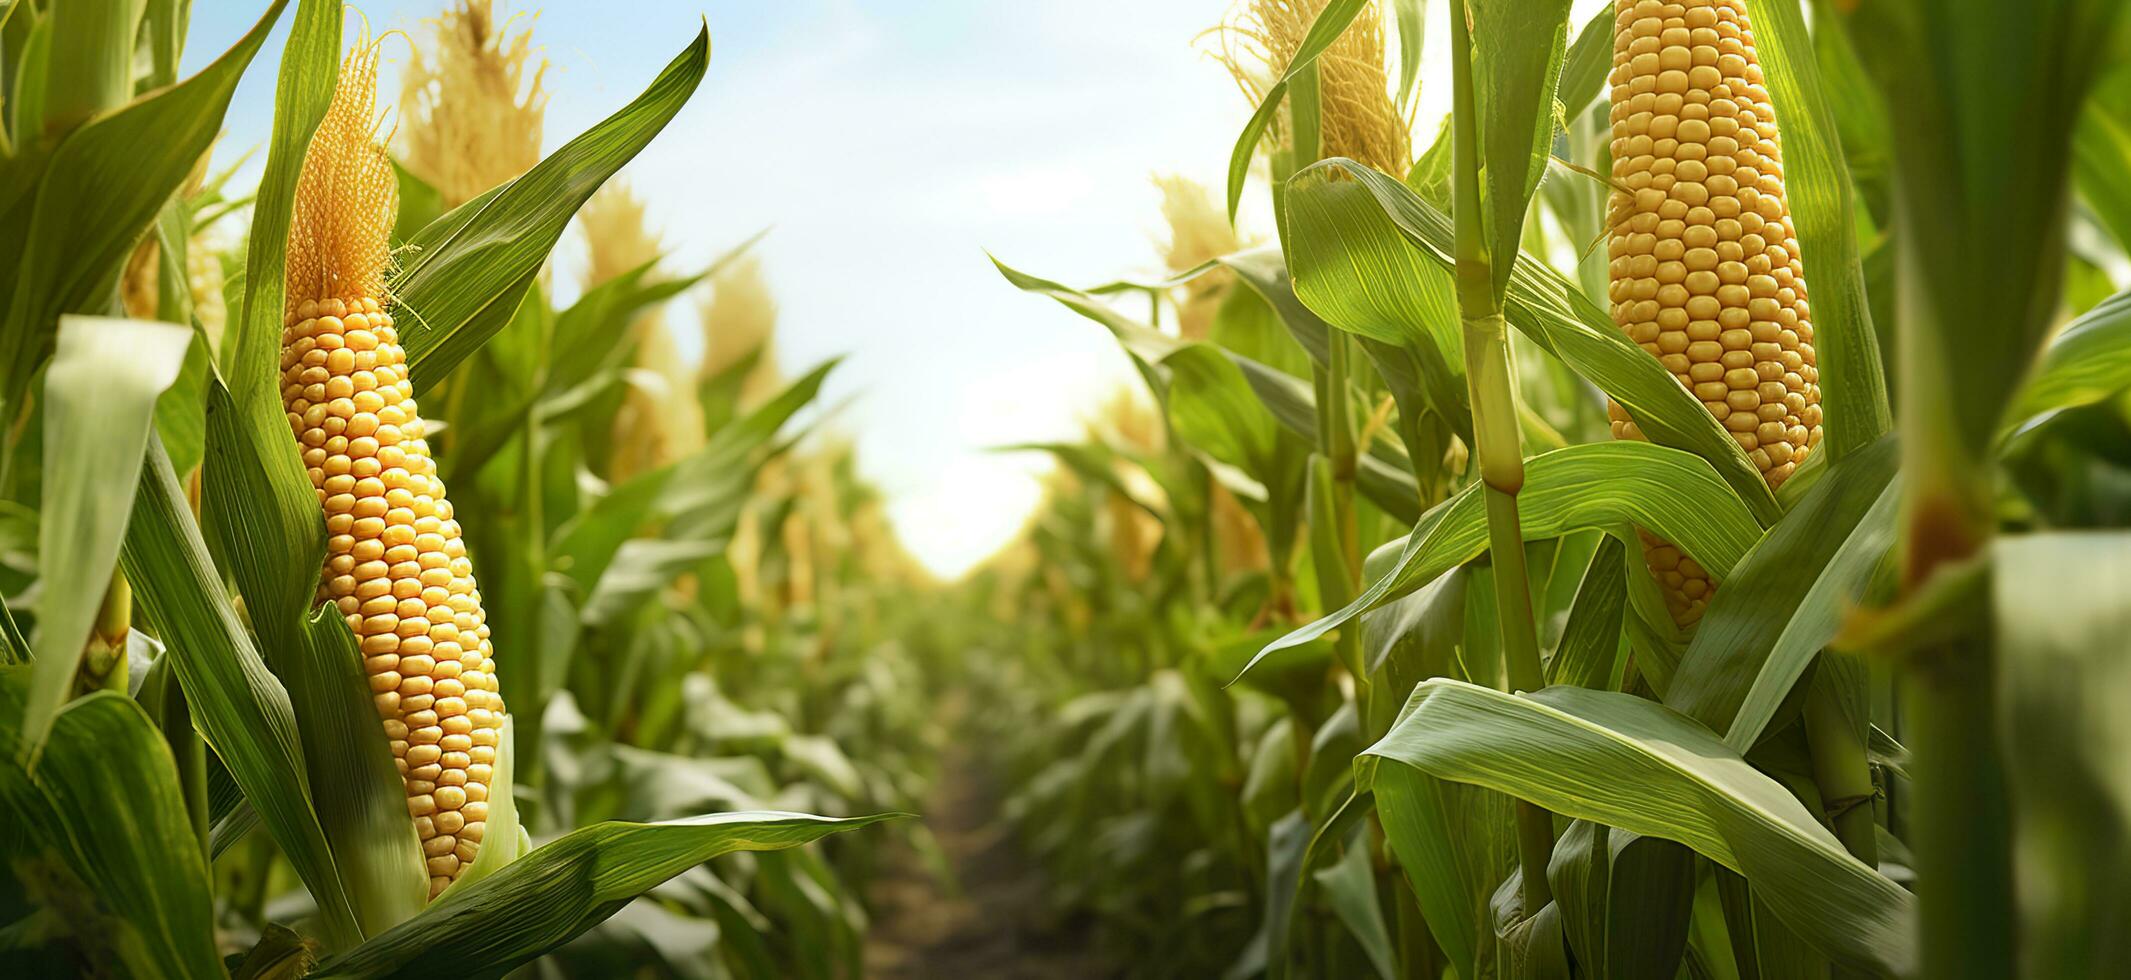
[{"x": 998, "y": 926}]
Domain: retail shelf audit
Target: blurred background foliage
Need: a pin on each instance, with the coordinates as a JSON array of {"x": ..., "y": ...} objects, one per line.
[{"x": 1244, "y": 697}]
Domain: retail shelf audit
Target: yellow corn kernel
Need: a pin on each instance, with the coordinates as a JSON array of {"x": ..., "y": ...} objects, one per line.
[{"x": 1702, "y": 258}]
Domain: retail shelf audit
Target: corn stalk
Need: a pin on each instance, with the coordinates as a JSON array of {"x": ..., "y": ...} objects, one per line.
[{"x": 1499, "y": 441}]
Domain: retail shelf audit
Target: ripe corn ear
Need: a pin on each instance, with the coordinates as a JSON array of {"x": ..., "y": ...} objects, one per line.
[
  {"x": 396, "y": 565},
  {"x": 1703, "y": 259}
]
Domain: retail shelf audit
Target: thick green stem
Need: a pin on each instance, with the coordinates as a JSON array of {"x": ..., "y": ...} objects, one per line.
[
  {"x": 1520, "y": 650},
  {"x": 1513, "y": 594},
  {"x": 1963, "y": 829},
  {"x": 1843, "y": 773},
  {"x": 1344, "y": 455},
  {"x": 1498, "y": 440},
  {"x": 1334, "y": 527},
  {"x": 161, "y": 696}
]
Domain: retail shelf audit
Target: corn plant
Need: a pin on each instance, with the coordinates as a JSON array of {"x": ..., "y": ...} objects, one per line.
[
  {"x": 208, "y": 772},
  {"x": 1614, "y": 626}
]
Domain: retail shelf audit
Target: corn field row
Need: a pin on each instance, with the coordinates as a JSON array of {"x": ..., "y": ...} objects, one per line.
[{"x": 1506, "y": 566}]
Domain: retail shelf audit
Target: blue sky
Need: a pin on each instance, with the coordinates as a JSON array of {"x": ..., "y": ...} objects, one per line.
[{"x": 889, "y": 145}]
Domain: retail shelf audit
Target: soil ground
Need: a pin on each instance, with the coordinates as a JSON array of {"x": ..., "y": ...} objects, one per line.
[{"x": 998, "y": 925}]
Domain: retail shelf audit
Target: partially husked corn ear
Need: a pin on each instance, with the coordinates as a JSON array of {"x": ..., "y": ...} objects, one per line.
[
  {"x": 1703, "y": 259},
  {"x": 396, "y": 564}
]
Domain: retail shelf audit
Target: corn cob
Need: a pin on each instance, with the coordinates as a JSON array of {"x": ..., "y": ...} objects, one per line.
[
  {"x": 1703, "y": 258},
  {"x": 396, "y": 566}
]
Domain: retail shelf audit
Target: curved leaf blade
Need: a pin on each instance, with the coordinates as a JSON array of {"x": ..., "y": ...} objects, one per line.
[
  {"x": 107, "y": 801},
  {"x": 1589, "y": 652},
  {"x": 1455, "y": 845},
  {"x": 1788, "y": 597},
  {"x": 1605, "y": 486},
  {"x": 1625, "y": 762},
  {"x": 2089, "y": 361},
  {"x": 1554, "y": 313},
  {"x": 554, "y": 893},
  {"x": 1624, "y": 898},
  {"x": 100, "y": 394},
  {"x": 1517, "y": 48},
  {"x": 361, "y": 800},
  {"x": 240, "y": 707},
  {"x": 473, "y": 265},
  {"x": 102, "y": 187},
  {"x": 310, "y": 66}
]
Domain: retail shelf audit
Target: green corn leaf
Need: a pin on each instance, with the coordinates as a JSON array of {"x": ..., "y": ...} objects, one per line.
[
  {"x": 698, "y": 497},
  {"x": 1349, "y": 885},
  {"x": 1455, "y": 844},
  {"x": 1411, "y": 16},
  {"x": 257, "y": 506},
  {"x": 106, "y": 803},
  {"x": 2101, "y": 154},
  {"x": 471, "y": 267},
  {"x": 1517, "y": 48},
  {"x": 549, "y": 896},
  {"x": 2087, "y": 362},
  {"x": 99, "y": 402},
  {"x": 1590, "y": 650},
  {"x": 92, "y": 67},
  {"x": 101, "y": 189},
  {"x": 1590, "y": 58},
  {"x": 1628, "y": 763},
  {"x": 1788, "y": 598},
  {"x": 241, "y": 709},
  {"x": 360, "y": 798},
  {"x": 1553, "y": 312},
  {"x": 1624, "y": 898},
  {"x": 1605, "y": 486}
]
